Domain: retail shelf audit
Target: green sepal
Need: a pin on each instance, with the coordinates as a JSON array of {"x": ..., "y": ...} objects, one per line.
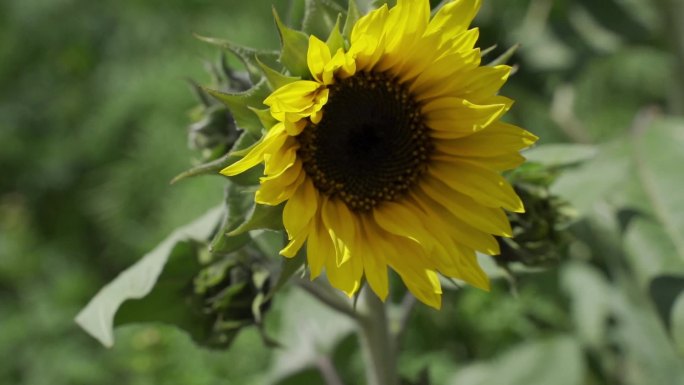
[
  {"x": 487, "y": 50},
  {"x": 208, "y": 168},
  {"x": 262, "y": 217},
  {"x": 288, "y": 268},
  {"x": 353, "y": 15},
  {"x": 320, "y": 16},
  {"x": 239, "y": 103},
  {"x": 237, "y": 205},
  {"x": 275, "y": 78},
  {"x": 246, "y": 55},
  {"x": 335, "y": 39},
  {"x": 294, "y": 46},
  {"x": 267, "y": 120},
  {"x": 260, "y": 280},
  {"x": 504, "y": 57}
]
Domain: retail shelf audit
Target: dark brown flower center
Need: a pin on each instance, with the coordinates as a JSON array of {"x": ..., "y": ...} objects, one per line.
[{"x": 372, "y": 144}]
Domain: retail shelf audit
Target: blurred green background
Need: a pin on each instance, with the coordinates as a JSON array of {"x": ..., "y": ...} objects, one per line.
[{"x": 93, "y": 114}]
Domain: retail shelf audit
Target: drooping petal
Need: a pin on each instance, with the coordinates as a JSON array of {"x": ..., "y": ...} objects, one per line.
[
  {"x": 374, "y": 260},
  {"x": 276, "y": 189},
  {"x": 271, "y": 141},
  {"x": 319, "y": 246},
  {"x": 341, "y": 226},
  {"x": 300, "y": 208}
]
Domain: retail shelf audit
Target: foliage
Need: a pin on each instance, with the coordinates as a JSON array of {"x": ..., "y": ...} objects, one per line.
[{"x": 92, "y": 131}]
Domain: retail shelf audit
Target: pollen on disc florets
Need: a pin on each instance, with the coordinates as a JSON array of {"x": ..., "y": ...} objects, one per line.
[{"x": 372, "y": 144}]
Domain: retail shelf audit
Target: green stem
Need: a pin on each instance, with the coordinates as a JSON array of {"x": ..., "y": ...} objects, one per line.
[{"x": 377, "y": 342}]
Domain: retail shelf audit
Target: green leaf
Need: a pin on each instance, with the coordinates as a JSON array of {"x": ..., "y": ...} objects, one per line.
[
  {"x": 644, "y": 348},
  {"x": 664, "y": 291},
  {"x": 556, "y": 155},
  {"x": 655, "y": 240},
  {"x": 308, "y": 329},
  {"x": 288, "y": 268},
  {"x": 598, "y": 179},
  {"x": 275, "y": 79},
  {"x": 294, "y": 47},
  {"x": 239, "y": 105},
  {"x": 262, "y": 217},
  {"x": 136, "y": 282},
  {"x": 557, "y": 360},
  {"x": 248, "y": 56},
  {"x": 320, "y": 16},
  {"x": 267, "y": 120},
  {"x": 589, "y": 311},
  {"x": 677, "y": 322}
]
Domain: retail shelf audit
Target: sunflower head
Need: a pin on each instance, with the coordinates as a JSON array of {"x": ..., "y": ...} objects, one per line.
[{"x": 388, "y": 149}]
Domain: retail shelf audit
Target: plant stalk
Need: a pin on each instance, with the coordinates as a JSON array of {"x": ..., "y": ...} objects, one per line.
[{"x": 377, "y": 342}]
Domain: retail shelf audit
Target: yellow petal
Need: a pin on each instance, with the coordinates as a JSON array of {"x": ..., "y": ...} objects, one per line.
[
  {"x": 368, "y": 39},
  {"x": 496, "y": 163},
  {"x": 276, "y": 189},
  {"x": 274, "y": 139},
  {"x": 453, "y": 18},
  {"x": 374, "y": 264},
  {"x": 405, "y": 25},
  {"x": 300, "y": 208},
  {"x": 458, "y": 230},
  {"x": 319, "y": 247},
  {"x": 317, "y": 57},
  {"x": 296, "y": 100},
  {"x": 489, "y": 219},
  {"x": 498, "y": 138},
  {"x": 451, "y": 118},
  {"x": 340, "y": 224},
  {"x": 296, "y": 243},
  {"x": 483, "y": 185},
  {"x": 444, "y": 76},
  {"x": 281, "y": 159}
]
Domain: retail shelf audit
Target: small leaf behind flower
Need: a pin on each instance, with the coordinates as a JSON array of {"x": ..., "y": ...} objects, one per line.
[
  {"x": 248, "y": 56},
  {"x": 262, "y": 217},
  {"x": 239, "y": 105},
  {"x": 294, "y": 48}
]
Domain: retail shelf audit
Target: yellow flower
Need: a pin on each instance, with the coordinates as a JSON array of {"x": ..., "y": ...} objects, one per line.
[{"x": 390, "y": 155}]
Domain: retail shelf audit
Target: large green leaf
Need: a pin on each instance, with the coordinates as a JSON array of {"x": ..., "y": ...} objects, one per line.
[
  {"x": 646, "y": 353},
  {"x": 308, "y": 329},
  {"x": 136, "y": 282},
  {"x": 556, "y": 360},
  {"x": 642, "y": 174},
  {"x": 554, "y": 155}
]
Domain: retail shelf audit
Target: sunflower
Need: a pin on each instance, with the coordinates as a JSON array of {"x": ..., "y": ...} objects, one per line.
[{"x": 390, "y": 153}]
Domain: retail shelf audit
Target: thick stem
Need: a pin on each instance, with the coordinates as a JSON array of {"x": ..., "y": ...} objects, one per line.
[{"x": 377, "y": 342}]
